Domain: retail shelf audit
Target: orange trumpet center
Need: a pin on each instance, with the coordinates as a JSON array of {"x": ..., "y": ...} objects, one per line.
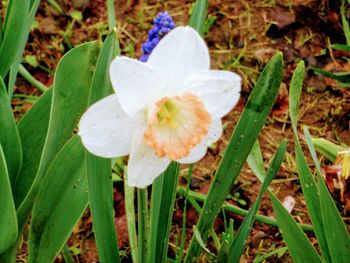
[{"x": 177, "y": 124}]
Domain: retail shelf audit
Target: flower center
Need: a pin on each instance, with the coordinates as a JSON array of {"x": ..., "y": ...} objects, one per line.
[
  {"x": 177, "y": 124},
  {"x": 166, "y": 116}
]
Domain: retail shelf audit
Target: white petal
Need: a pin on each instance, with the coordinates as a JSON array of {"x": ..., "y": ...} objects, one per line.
[
  {"x": 105, "y": 128},
  {"x": 219, "y": 90},
  {"x": 144, "y": 165},
  {"x": 136, "y": 84},
  {"x": 180, "y": 52},
  {"x": 198, "y": 152}
]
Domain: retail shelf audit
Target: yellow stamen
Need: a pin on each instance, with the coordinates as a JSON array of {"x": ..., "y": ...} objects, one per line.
[{"x": 343, "y": 159}]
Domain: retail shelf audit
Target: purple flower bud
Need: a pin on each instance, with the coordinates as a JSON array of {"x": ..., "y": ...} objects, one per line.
[{"x": 162, "y": 25}]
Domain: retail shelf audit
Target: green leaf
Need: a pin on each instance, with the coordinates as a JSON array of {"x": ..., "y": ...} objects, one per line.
[
  {"x": 9, "y": 137},
  {"x": 341, "y": 47},
  {"x": 256, "y": 162},
  {"x": 17, "y": 38},
  {"x": 337, "y": 236},
  {"x": 198, "y": 16},
  {"x": 336, "y": 232},
  {"x": 70, "y": 99},
  {"x": 327, "y": 148},
  {"x": 32, "y": 129},
  {"x": 240, "y": 238},
  {"x": 61, "y": 201},
  {"x": 161, "y": 213},
  {"x": 254, "y": 116},
  {"x": 345, "y": 23},
  {"x": 15, "y": 26},
  {"x": 8, "y": 219},
  {"x": 307, "y": 180},
  {"x": 200, "y": 241},
  {"x": 341, "y": 76},
  {"x": 297, "y": 242},
  {"x": 99, "y": 170}
]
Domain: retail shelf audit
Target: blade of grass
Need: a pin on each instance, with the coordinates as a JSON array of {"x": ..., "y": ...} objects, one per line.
[
  {"x": 162, "y": 207},
  {"x": 307, "y": 181},
  {"x": 9, "y": 137},
  {"x": 337, "y": 236},
  {"x": 198, "y": 16},
  {"x": 8, "y": 219},
  {"x": 297, "y": 242},
  {"x": 111, "y": 15},
  {"x": 254, "y": 116},
  {"x": 345, "y": 23},
  {"x": 240, "y": 238},
  {"x": 99, "y": 170}
]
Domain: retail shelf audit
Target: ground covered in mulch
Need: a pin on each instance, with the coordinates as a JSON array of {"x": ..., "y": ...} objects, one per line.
[{"x": 242, "y": 36}]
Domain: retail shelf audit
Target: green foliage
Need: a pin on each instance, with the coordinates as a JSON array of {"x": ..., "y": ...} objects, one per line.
[
  {"x": 61, "y": 201},
  {"x": 162, "y": 206},
  {"x": 99, "y": 170},
  {"x": 238, "y": 243},
  {"x": 8, "y": 219},
  {"x": 254, "y": 116},
  {"x": 9, "y": 138}
]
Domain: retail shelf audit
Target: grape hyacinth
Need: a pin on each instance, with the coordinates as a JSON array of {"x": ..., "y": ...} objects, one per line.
[{"x": 162, "y": 25}]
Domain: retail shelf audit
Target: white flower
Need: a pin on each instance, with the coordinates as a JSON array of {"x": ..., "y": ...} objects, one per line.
[{"x": 167, "y": 109}]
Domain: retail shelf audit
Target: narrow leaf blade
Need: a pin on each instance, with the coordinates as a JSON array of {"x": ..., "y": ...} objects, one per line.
[
  {"x": 254, "y": 116},
  {"x": 298, "y": 244},
  {"x": 8, "y": 219}
]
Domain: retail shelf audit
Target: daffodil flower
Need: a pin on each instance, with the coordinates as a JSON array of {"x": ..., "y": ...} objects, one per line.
[{"x": 168, "y": 109}]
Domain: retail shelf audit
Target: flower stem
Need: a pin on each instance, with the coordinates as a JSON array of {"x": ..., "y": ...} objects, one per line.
[
  {"x": 142, "y": 213},
  {"x": 239, "y": 211},
  {"x": 33, "y": 81}
]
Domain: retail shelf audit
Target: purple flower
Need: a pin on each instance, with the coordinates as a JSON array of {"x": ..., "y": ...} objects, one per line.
[{"x": 162, "y": 25}]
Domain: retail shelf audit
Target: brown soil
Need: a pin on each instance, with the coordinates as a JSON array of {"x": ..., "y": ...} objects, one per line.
[{"x": 244, "y": 35}]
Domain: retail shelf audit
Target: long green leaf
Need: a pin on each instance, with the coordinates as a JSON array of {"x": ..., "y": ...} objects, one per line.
[
  {"x": 345, "y": 23},
  {"x": 15, "y": 26},
  {"x": 70, "y": 99},
  {"x": 337, "y": 236},
  {"x": 240, "y": 238},
  {"x": 8, "y": 219},
  {"x": 22, "y": 40},
  {"x": 61, "y": 201},
  {"x": 198, "y": 15},
  {"x": 254, "y": 116},
  {"x": 9, "y": 137},
  {"x": 307, "y": 180},
  {"x": 99, "y": 170},
  {"x": 297, "y": 242},
  {"x": 162, "y": 206},
  {"x": 32, "y": 129}
]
